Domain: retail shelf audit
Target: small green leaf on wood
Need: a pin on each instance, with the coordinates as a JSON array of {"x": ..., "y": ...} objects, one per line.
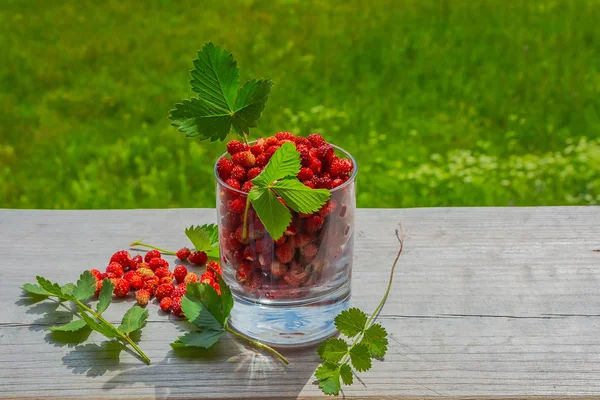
[
  {"x": 35, "y": 290},
  {"x": 53, "y": 288},
  {"x": 107, "y": 330},
  {"x": 105, "y": 296},
  {"x": 72, "y": 326},
  {"x": 205, "y": 338},
  {"x": 346, "y": 374},
  {"x": 86, "y": 286},
  {"x": 134, "y": 319},
  {"x": 333, "y": 349},
  {"x": 328, "y": 375},
  {"x": 361, "y": 357},
  {"x": 201, "y": 305},
  {"x": 375, "y": 338},
  {"x": 351, "y": 322}
]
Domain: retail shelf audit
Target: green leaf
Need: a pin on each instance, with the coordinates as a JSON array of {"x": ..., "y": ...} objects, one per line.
[
  {"x": 202, "y": 306},
  {"x": 105, "y": 296},
  {"x": 35, "y": 290},
  {"x": 134, "y": 319},
  {"x": 72, "y": 326},
  {"x": 328, "y": 375},
  {"x": 68, "y": 289},
  {"x": 375, "y": 338},
  {"x": 273, "y": 214},
  {"x": 205, "y": 339},
  {"x": 361, "y": 357},
  {"x": 220, "y": 104},
  {"x": 107, "y": 330},
  {"x": 86, "y": 286},
  {"x": 300, "y": 197},
  {"x": 226, "y": 297},
  {"x": 285, "y": 162},
  {"x": 333, "y": 349},
  {"x": 52, "y": 288},
  {"x": 204, "y": 238},
  {"x": 351, "y": 322},
  {"x": 346, "y": 374}
]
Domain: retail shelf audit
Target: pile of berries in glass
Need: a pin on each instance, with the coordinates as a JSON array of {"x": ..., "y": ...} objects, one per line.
[
  {"x": 150, "y": 276},
  {"x": 314, "y": 256}
]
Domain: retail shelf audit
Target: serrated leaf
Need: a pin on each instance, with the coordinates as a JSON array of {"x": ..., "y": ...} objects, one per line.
[
  {"x": 202, "y": 306},
  {"x": 375, "y": 338},
  {"x": 361, "y": 357},
  {"x": 35, "y": 290},
  {"x": 196, "y": 118},
  {"x": 202, "y": 237},
  {"x": 134, "y": 319},
  {"x": 105, "y": 296},
  {"x": 300, "y": 197},
  {"x": 351, "y": 322},
  {"x": 226, "y": 297},
  {"x": 328, "y": 375},
  {"x": 72, "y": 326},
  {"x": 50, "y": 287},
  {"x": 250, "y": 103},
  {"x": 275, "y": 216},
  {"x": 346, "y": 374},
  {"x": 86, "y": 286},
  {"x": 106, "y": 330},
  {"x": 285, "y": 162},
  {"x": 68, "y": 289},
  {"x": 205, "y": 339},
  {"x": 333, "y": 349}
]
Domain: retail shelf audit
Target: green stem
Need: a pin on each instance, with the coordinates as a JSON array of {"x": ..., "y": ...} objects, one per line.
[
  {"x": 245, "y": 225},
  {"x": 246, "y": 139},
  {"x": 257, "y": 344},
  {"x": 139, "y": 243},
  {"x": 121, "y": 334}
]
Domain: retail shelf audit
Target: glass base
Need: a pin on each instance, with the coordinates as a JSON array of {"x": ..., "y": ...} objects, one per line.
[{"x": 289, "y": 324}]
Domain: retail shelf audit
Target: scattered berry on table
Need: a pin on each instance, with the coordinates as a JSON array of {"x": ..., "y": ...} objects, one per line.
[
  {"x": 198, "y": 258},
  {"x": 135, "y": 262},
  {"x": 179, "y": 273},
  {"x": 151, "y": 284},
  {"x": 183, "y": 253},
  {"x": 165, "y": 304},
  {"x": 190, "y": 278},
  {"x": 162, "y": 272},
  {"x": 180, "y": 290},
  {"x": 144, "y": 272},
  {"x": 122, "y": 257},
  {"x": 164, "y": 290},
  {"x": 136, "y": 282},
  {"x": 142, "y": 297},
  {"x": 121, "y": 287},
  {"x": 98, "y": 288},
  {"x": 97, "y": 274},
  {"x": 115, "y": 269},
  {"x": 176, "y": 306},
  {"x": 166, "y": 279},
  {"x": 215, "y": 266},
  {"x": 152, "y": 254},
  {"x": 156, "y": 263}
]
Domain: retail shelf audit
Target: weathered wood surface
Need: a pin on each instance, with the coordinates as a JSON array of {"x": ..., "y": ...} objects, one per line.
[{"x": 486, "y": 302}]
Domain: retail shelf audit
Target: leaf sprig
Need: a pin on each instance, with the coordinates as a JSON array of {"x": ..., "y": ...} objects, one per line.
[
  {"x": 133, "y": 320},
  {"x": 369, "y": 341},
  {"x": 204, "y": 238}
]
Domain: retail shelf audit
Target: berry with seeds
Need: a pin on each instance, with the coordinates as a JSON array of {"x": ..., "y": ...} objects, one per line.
[
  {"x": 309, "y": 251},
  {"x": 224, "y": 167},
  {"x": 310, "y": 183},
  {"x": 164, "y": 290},
  {"x": 244, "y": 159},
  {"x": 284, "y": 136},
  {"x": 214, "y": 266},
  {"x": 180, "y": 290},
  {"x": 301, "y": 240},
  {"x": 142, "y": 297},
  {"x": 136, "y": 282},
  {"x": 262, "y": 160},
  {"x": 301, "y": 141},
  {"x": 163, "y": 272},
  {"x": 151, "y": 254},
  {"x": 305, "y": 174},
  {"x": 122, "y": 257},
  {"x": 328, "y": 208},
  {"x": 278, "y": 269},
  {"x": 98, "y": 287},
  {"x": 323, "y": 182},
  {"x": 183, "y": 253},
  {"x": 165, "y": 304},
  {"x": 314, "y": 223},
  {"x": 115, "y": 269},
  {"x": 151, "y": 284},
  {"x": 316, "y": 140},
  {"x": 144, "y": 272},
  {"x": 198, "y": 258},
  {"x": 235, "y": 146},
  {"x": 247, "y": 187},
  {"x": 238, "y": 173},
  {"x": 236, "y": 205},
  {"x": 285, "y": 252},
  {"x": 248, "y": 253},
  {"x": 254, "y": 172},
  {"x": 176, "y": 306},
  {"x": 135, "y": 262},
  {"x": 257, "y": 149},
  {"x": 244, "y": 272},
  {"x": 316, "y": 166},
  {"x": 234, "y": 183},
  {"x": 128, "y": 275},
  {"x": 191, "y": 277},
  {"x": 179, "y": 273},
  {"x": 157, "y": 263},
  {"x": 336, "y": 182},
  {"x": 97, "y": 274},
  {"x": 340, "y": 168},
  {"x": 121, "y": 287},
  {"x": 166, "y": 279},
  {"x": 296, "y": 276}
]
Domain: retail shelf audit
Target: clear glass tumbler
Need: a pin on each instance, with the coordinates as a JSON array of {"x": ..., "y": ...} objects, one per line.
[{"x": 292, "y": 302}]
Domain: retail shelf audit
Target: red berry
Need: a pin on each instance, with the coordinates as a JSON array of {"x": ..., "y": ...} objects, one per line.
[
  {"x": 340, "y": 168},
  {"x": 235, "y": 146},
  {"x": 180, "y": 290},
  {"x": 180, "y": 272},
  {"x": 301, "y": 240},
  {"x": 234, "y": 183},
  {"x": 191, "y": 277},
  {"x": 121, "y": 287},
  {"x": 165, "y": 304},
  {"x": 249, "y": 254},
  {"x": 166, "y": 279},
  {"x": 122, "y": 257},
  {"x": 314, "y": 223},
  {"x": 116, "y": 269},
  {"x": 224, "y": 167},
  {"x": 305, "y": 157},
  {"x": 151, "y": 284},
  {"x": 254, "y": 172},
  {"x": 97, "y": 274},
  {"x": 214, "y": 266},
  {"x": 310, "y": 250},
  {"x": 328, "y": 208},
  {"x": 142, "y": 297},
  {"x": 236, "y": 205},
  {"x": 270, "y": 141},
  {"x": 238, "y": 173},
  {"x": 310, "y": 183},
  {"x": 281, "y": 240},
  {"x": 183, "y": 253},
  {"x": 316, "y": 166},
  {"x": 144, "y": 272},
  {"x": 198, "y": 258},
  {"x": 135, "y": 262},
  {"x": 136, "y": 282},
  {"x": 284, "y": 136},
  {"x": 299, "y": 140},
  {"x": 291, "y": 230},
  {"x": 262, "y": 160},
  {"x": 161, "y": 272},
  {"x": 316, "y": 140},
  {"x": 128, "y": 275},
  {"x": 271, "y": 150},
  {"x": 285, "y": 252},
  {"x": 323, "y": 182},
  {"x": 278, "y": 269},
  {"x": 244, "y": 159},
  {"x": 151, "y": 254},
  {"x": 244, "y": 272},
  {"x": 247, "y": 187},
  {"x": 257, "y": 149},
  {"x": 98, "y": 288},
  {"x": 176, "y": 306},
  {"x": 336, "y": 182},
  {"x": 156, "y": 263},
  {"x": 325, "y": 152},
  {"x": 296, "y": 276},
  {"x": 305, "y": 174},
  {"x": 164, "y": 290}
]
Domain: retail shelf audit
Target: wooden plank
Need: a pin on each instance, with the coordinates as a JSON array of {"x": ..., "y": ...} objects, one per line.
[{"x": 487, "y": 302}]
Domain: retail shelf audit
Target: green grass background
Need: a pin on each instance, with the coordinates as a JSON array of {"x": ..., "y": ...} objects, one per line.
[{"x": 443, "y": 103}]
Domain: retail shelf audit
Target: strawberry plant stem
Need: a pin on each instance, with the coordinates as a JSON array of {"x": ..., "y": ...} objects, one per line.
[
  {"x": 139, "y": 243},
  {"x": 245, "y": 225},
  {"x": 257, "y": 344}
]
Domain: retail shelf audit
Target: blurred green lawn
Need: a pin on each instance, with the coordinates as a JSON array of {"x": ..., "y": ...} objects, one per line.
[{"x": 443, "y": 103}]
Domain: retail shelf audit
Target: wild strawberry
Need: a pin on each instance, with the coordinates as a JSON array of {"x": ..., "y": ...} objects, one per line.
[
  {"x": 110, "y": 275},
  {"x": 254, "y": 283},
  {"x": 284, "y": 252},
  {"x": 165, "y": 304},
  {"x": 305, "y": 157},
  {"x": 135, "y": 262},
  {"x": 247, "y": 187},
  {"x": 176, "y": 306},
  {"x": 151, "y": 284},
  {"x": 164, "y": 290},
  {"x": 316, "y": 166},
  {"x": 183, "y": 253},
  {"x": 257, "y": 149},
  {"x": 323, "y": 182},
  {"x": 224, "y": 167},
  {"x": 214, "y": 266},
  {"x": 336, "y": 182},
  {"x": 136, "y": 282},
  {"x": 98, "y": 288},
  {"x": 97, "y": 274},
  {"x": 236, "y": 205},
  {"x": 314, "y": 223},
  {"x": 151, "y": 254},
  {"x": 198, "y": 258},
  {"x": 310, "y": 183},
  {"x": 162, "y": 272},
  {"x": 328, "y": 208},
  {"x": 309, "y": 251},
  {"x": 244, "y": 272},
  {"x": 142, "y": 297},
  {"x": 278, "y": 269},
  {"x": 144, "y": 272},
  {"x": 271, "y": 150},
  {"x": 296, "y": 276},
  {"x": 122, "y": 257},
  {"x": 244, "y": 159},
  {"x": 305, "y": 174},
  {"x": 284, "y": 136},
  {"x": 302, "y": 141},
  {"x": 121, "y": 287},
  {"x": 235, "y": 146},
  {"x": 116, "y": 269},
  {"x": 156, "y": 263},
  {"x": 238, "y": 173},
  {"x": 180, "y": 290},
  {"x": 191, "y": 277},
  {"x": 179, "y": 273},
  {"x": 340, "y": 168},
  {"x": 166, "y": 279},
  {"x": 254, "y": 172},
  {"x": 207, "y": 277},
  {"x": 301, "y": 240},
  {"x": 128, "y": 275},
  {"x": 316, "y": 140},
  {"x": 249, "y": 254},
  {"x": 325, "y": 153},
  {"x": 234, "y": 183},
  {"x": 239, "y": 235}
]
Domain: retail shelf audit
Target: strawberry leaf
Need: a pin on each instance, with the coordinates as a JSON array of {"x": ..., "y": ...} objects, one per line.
[
  {"x": 86, "y": 286},
  {"x": 300, "y": 197},
  {"x": 273, "y": 214},
  {"x": 333, "y": 349},
  {"x": 284, "y": 163},
  {"x": 375, "y": 338},
  {"x": 361, "y": 357},
  {"x": 202, "y": 306},
  {"x": 133, "y": 320},
  {"x": 346, "y": 374},
  {"x": 351, "y": 322},
  {"x": 204, "y": 238},
  {"x": 72, "y": 326},
  {"x": 205, "y": 338},
  {"x": 35, "y": 290},
  {"x": 328, "y": 375},
  {"x": 105, "y": 296}
]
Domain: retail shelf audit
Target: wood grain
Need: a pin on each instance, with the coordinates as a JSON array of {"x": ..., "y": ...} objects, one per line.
[{"x": 487, "y": 302}]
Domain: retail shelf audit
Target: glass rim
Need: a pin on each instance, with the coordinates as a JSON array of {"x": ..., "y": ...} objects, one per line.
[{"x": 343, "y": 185}]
